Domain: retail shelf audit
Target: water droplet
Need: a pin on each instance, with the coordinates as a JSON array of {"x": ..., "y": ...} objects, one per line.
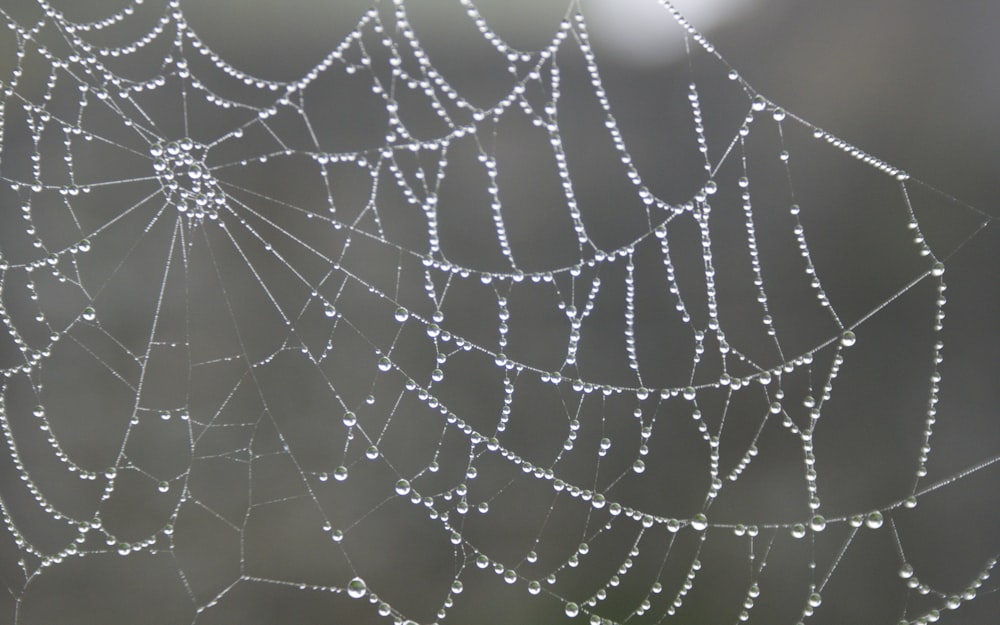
[
  {"x": 534, "y": 587},
  {"x": 815, "y": 599},
  {"x": 350, "y": 419},
  {"x": 937, "y": 270},
  {"x": 699, "y": 522},
  {"x": 572, "y": 609},
  {"x": 798, "y": 530},
  {"x": 384, "y": 364},
  {"x": 711, "y": 187},
  {"x": 163, "y": 487},
  {"x": 402, "y": 314},
  {"x": 906, "y": 571},
  {"x": 874, "y": 520},
  {"x": 779, "y": 114},
  {"x": 340, "y": 473},
  {"x": 89, "y": 314},
  {"x": 457, "y": 587},
  {"x": 356, "y": 588},
  {"x": 847, "y": 339},
  {"x": 759, "y": 103},
  {"x": 817, "y": 523},
  {"x": 639, "y": 466},
  {"x": 690, "y": 393},
  {"x": 510, "y": 576},
  {"x": 403, "y": 487}
]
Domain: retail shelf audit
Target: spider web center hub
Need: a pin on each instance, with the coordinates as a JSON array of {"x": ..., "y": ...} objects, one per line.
[{"x": 186, "y": 181}]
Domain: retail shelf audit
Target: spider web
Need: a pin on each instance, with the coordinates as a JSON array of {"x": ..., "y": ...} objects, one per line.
[{"x": 387, "y": 343}]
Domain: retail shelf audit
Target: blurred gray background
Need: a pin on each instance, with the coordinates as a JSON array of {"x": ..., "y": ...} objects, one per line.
[{"x": 248, "y": 454}]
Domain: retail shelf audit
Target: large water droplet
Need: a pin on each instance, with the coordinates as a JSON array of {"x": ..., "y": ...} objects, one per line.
[
  {"x": 403, "y": 487},
  {"x": 356, "y": 588},
  {"x": 572, "y": 609},
  {"x": 847, "y": 339},
  {"x": 350, "y": 419},
  {"x": 817, "y": 523},
  {"x": 699, "y": 522},
  {"x": 874, "y": 520},
  {"x": 402, "y": 314}
]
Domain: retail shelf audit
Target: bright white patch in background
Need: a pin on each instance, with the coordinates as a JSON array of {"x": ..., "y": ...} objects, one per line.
[{"x": 643, "y": 31}]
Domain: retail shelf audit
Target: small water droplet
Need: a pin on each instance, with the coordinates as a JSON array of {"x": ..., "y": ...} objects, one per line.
[
  {"x": 163, "y": 487},
  {"x": 402, "y": 314},
  {"x": 815, "y": 599},
  {"x": 572, "y": 609},
  {"x": 937, "y": 270},
  {"x": 906, "y": 571},
  {"x": 848, "y": 338},
  {"x": 403, "y": 487},
  {"x": 699, "y": 522},
  {"x": 340, "y": 473},
  {"x": 690, "y": 393},
  {"x": 874, "y": 520},
  {"x": 798, "y": 530},
  {"x": 384, "y": 364},
  {"x": 350, "y": 419},
  {"x": 638, "y": 466},
  {"x": 89, "y": 314},
  {"x": 534, "y": 587},
  {"x": 759, "y": 103}
]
